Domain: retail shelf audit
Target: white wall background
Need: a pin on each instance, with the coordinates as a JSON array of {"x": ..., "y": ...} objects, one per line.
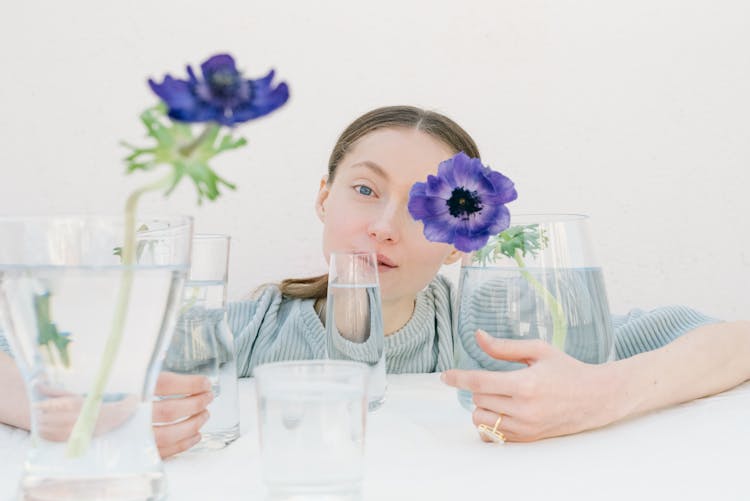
[{"x": 637, "y": 113}]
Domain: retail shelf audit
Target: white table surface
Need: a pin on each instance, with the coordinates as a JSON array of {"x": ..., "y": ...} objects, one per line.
[{"x": 421, "y": 445}]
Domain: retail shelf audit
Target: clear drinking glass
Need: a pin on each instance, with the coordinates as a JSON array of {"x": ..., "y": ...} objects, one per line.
[
  {"x": 203, "y": 344},
  {"x": 554, "y": 292},
  {"x": 311, "y": 423},
  {"x": 354, "y": 317},
  {"x": 63, "y": 292}
]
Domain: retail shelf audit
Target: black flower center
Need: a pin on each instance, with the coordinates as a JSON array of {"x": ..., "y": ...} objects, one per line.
[
  {"x": 224, "y": 84},
  {"x": 464, "y": 203}
]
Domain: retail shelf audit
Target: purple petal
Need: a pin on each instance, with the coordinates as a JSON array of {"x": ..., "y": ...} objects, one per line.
[
  {"x": 470, "y": 173},
  {"x": 264, "y": 101},
  {"x": 439, "y": 229},
  {"x": 482, "y": 185},
  {"x": 457, "y": 171},
  {"x": 191, "y": 75},
  {"x": 491, "y": 220},
  {"x": 438, "y": 187},
  {"x": 219, "y": 62},
  {"x": 501, "y": 222},
  {"x": 469, "y": 243},
  {"x": 201, "y": 112},
  {"x": 265, "y": 82},
  {"x": 445, "y": 170},
  {"x": 426, "y": 207},
  {"x": 418, "y": 190},
  {"x": 175, "y": 93},
  {"x": 479, "y": 222},
  {"x": 504, "y": 191}
]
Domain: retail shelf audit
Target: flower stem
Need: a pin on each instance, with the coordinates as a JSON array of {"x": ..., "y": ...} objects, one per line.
[
  {"x": 559, "y": 323},
  {"x": 51, "y": 357},
  {"x": 190, "y": 301},
  {"x": 189, "y": 148},
  {"x": 83, "y": 430}
]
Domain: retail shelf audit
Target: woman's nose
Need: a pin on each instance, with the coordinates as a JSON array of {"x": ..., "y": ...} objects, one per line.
[{"x": 386, "y": 227}]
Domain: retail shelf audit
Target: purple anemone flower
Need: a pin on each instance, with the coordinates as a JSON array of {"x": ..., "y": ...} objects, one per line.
[
  {"x": 464, "y": 204},
  {"x": 222, "y": 95}
]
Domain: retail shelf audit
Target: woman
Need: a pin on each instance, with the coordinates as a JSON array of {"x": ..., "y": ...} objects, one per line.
[{"x": 362, "y": 202}]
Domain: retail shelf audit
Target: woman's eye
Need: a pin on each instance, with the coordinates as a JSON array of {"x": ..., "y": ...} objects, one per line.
[{"x": 363, "y": 190}]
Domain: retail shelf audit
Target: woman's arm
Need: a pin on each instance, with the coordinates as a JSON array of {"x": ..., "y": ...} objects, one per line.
[
  {"x": 558, "y": 395},
  {"x": 705, "y": 361}
]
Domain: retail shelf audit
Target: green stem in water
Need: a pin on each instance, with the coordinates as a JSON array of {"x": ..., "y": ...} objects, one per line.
[
  {"x": 559, "y": 323},
  {"x": 50, "y": 355},
  {"x": 83, "y": 430},
  {"x": 190, "y": 301}
]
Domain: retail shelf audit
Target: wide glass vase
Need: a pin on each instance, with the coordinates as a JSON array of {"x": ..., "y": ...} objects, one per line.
[
  {"x": 89, "y": 335},
  {"x": 537, "y": 280}
]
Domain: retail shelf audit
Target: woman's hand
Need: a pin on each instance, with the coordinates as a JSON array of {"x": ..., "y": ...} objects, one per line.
[
  {"x": 179, "y": 417},
  {"x": 555, "y": 395},
  {"x": 558, "y": 395},
  {"x": 177, "y": 420},
  {"x": 58, "y": 412}
]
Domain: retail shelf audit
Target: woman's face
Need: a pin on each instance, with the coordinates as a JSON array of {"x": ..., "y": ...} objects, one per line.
[{"x": 365, "y": 208}]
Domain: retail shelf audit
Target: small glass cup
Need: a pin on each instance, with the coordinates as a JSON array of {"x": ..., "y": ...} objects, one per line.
[
  {"x": 354, "y": 317},
  {"x": 203, "y": 344},
  {"x": 311, "y": 423}
]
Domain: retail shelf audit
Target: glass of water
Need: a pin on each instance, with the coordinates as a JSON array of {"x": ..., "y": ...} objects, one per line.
[
  {"x": 311, "y": 422},
  {"x": 76, "y": 332},
  {"x": 354, "y": 317},
  {"x": 539, "y": 280},
  {"x": 203, "y": 344}
]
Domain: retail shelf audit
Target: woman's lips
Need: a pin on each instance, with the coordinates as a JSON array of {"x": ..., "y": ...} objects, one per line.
[{"x": 385, "y": 263}]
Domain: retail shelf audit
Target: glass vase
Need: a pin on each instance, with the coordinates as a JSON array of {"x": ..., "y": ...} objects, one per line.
[
  {"x": 64, "y": 295},
  {"x": 203, "y": 344},
  {"x": 537, "y": 280}
]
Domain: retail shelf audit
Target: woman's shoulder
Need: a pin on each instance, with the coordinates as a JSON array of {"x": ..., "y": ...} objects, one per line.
[
  {"x": 441, "y": 287},
  {"x": 264, "y": 303},
  {"x": 263, "y": 296}
]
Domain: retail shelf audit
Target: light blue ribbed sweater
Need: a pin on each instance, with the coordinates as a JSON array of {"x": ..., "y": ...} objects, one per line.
[{"x": 275, "y": 328}]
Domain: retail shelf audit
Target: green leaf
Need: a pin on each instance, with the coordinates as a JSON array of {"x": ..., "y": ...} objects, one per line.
[
  {"x": 230, "y": 143},
  {"x": 176, "y": 146},
  {"x": 155, "y": 128},
  {"x": 175, "y": 181},
  {"x": 529, "y": 239},
  {"x": 47, "y": 331},
  {"x": 133, "y": 166}
]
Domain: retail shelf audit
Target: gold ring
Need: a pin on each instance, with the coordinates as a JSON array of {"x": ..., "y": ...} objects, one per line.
[
  {"x": 493, "y": 433},
  {"x": 497, "y": 423}
]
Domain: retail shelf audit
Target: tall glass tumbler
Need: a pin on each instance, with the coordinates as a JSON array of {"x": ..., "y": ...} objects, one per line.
[
  {"x": 354, "y": 317},
  {"x": 539, "y": 280},
  {"x": 203, "y": 344}
]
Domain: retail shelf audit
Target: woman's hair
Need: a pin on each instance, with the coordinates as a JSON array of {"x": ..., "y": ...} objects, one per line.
[{"x": 439, "y": 126}]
